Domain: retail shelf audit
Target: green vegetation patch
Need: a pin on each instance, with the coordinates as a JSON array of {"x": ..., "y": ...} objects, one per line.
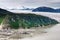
[{"x": 2, "y": 17}]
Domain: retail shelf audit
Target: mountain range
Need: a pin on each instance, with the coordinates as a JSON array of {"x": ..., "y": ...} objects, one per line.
[{"x": 46, "y": 9}]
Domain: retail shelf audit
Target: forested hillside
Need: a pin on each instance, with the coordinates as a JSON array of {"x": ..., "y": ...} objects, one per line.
[
  {"x": 23, "y": 20},
  {"x": 30, "y": 20}
]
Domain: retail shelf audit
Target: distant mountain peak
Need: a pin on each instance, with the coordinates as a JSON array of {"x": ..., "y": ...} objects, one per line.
[{"x": 46, "y": 9}]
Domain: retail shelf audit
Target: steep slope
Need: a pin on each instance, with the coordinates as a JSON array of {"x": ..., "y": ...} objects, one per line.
[{"x": 4, "y": 12}]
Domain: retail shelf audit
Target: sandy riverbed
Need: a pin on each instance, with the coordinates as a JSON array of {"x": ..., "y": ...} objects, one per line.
[{"x": 53, "y": 34}]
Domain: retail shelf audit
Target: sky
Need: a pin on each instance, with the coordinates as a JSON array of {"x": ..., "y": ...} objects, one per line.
[{"x": 29, "y": 3}]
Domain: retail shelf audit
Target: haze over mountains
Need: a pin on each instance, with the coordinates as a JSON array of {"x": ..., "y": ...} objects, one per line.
[
  {"x": 22, "y": 8},
  {"x": 38, "y": 9}
]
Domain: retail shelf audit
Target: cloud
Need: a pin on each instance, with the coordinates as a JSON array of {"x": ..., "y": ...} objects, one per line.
[
  {"x": 30, "y": 3},
  {"x": 54, "y": 4}
]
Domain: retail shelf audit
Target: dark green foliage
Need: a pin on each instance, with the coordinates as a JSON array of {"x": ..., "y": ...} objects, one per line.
[
  {"x": 2, "y": 17},
  {"x": 14, "y": 22},
  {"x": 30, "y": 20}
]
